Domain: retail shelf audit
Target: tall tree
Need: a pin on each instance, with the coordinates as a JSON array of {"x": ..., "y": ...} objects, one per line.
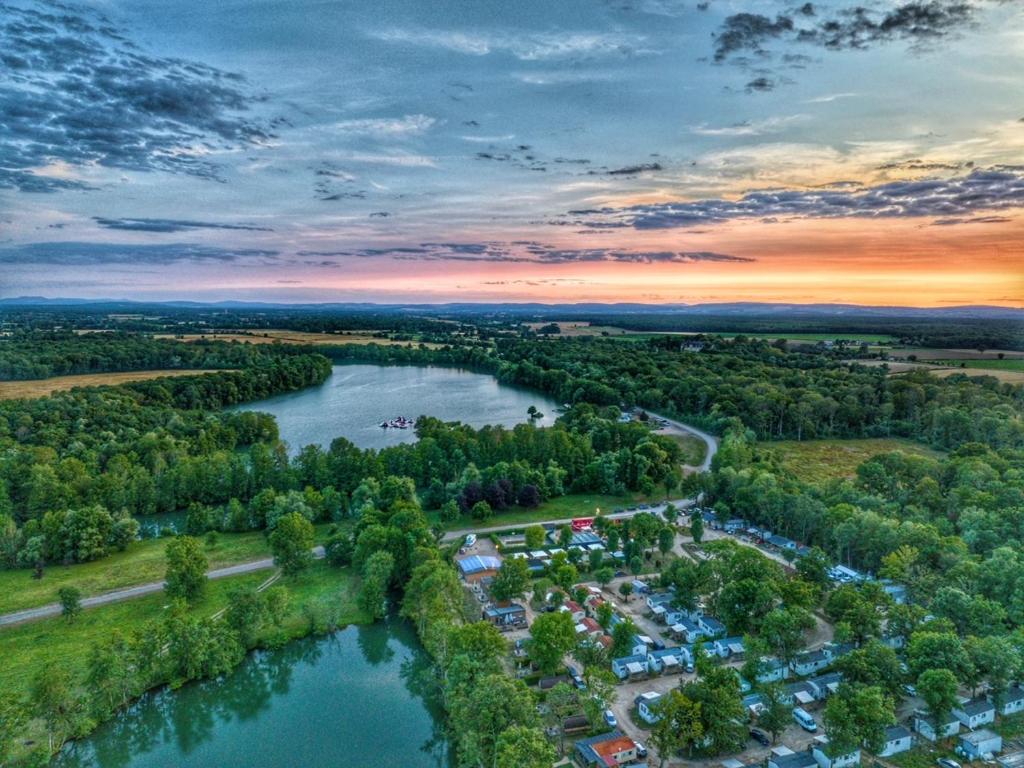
[
  {"x": 186, "y": 568},
  {"x": 292, "y": 542}
]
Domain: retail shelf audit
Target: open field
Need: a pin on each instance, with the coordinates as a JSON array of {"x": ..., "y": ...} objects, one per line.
[
  {"x": 928, "y": 353},
  {"x": 141, "y": 563},
  {"x": 694, "y": 449},
  {"x": 822, "y": 460},
  {"x": 11, "y": 390},
  {"x": 1007, "y": 376},
  {"x": 581, "y": 328},
  {"x": 291, "y": 337},
  {"x": 572, "y": 505},
  {"x": 26, "y": 648}
]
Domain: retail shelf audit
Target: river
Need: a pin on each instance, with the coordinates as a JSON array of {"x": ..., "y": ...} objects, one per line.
[
  {"x": 355, "y": 399},
  {"x": 354, "y": 698}
]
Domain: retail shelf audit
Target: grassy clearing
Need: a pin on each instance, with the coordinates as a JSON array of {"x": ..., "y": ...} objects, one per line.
[
  {"x": 291, "y": 337},
  {"x": 932, "y": 353},
  {"x": 30, "y": 647},
  {"x": 573, "y": 505},
  {"x": 12, "y": 390},
  {"x": 821, "y": 460},
  {"x": 694, "y": 449},
  {"x": 1006, "y": 376},
  {"x": 27, "y": 648},
  {"x": 141, "y": 563}
]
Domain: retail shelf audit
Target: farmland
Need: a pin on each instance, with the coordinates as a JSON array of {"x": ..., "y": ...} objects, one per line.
[
  {"x": 823, "y": 460},
  {"x": 306, "y": 338},
  {"x": 12, "y": 390}
]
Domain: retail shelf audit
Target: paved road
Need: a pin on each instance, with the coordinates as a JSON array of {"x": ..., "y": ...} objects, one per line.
[
  {"x": 654, "y": 509},
  {"x": 679, "y": 427},
  {"x": 674, "y": 427},
  {"x": 53, "y": 609}
]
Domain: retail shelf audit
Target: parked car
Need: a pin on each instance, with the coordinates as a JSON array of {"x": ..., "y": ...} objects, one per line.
[
  {"x": 471, "y": 540},
  {"x": 945, "y": 762},
  {"x": 760, "y": 737},
  {"x": 910, "y": 690},
  {"x": 641, "y": 750},
  {"x": 658, "y": 645},
  {"x": 806, "y": 721},
  {"x": 612, "y": 722}
]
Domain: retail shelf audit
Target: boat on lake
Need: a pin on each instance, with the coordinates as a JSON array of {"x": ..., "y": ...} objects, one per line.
[{"x": 399, "y": 422}]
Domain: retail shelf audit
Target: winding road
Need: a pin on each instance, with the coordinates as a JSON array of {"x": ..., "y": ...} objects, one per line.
[{"x": 129, "y": 593}]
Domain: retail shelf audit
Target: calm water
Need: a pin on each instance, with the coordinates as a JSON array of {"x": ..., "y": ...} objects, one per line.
[
  {"x": 357, "y": 398},
  {"x": 353, "y": 699}
]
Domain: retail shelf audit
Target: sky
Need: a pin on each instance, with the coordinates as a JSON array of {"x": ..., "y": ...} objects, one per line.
[{"x": 578, "y": 150}]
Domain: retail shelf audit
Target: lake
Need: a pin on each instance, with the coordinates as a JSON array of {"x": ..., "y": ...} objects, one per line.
[
  {"x": 357, "y": 398},
  {"x": 354, "y": 698}
]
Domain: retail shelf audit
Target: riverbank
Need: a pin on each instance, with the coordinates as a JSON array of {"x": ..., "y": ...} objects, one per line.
[{"x": 320, "y": 599}]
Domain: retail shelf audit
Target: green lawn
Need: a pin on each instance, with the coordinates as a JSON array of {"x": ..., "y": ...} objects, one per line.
[
  {"x": 694, "y": 449},
  {"x": 992, "y": 365},
  {"x": 27, "y": 648},
  {"x": 572, "y": 505},
  {"x": 863, "y": 338},
  {"x": 142, "y": 563},
  {"x": 821, "y": 460}
]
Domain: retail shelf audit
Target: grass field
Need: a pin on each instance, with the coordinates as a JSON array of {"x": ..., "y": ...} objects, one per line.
[
  {"x": 572, "y": 505},
  {"x": 290, "y": 337},
  {"x": 10, "y": 390},
  {"x": 694, "y": 449},
  {"x": 929, "y": 353},
  {"x": 141, "y": 563},
  {"x": 821, "y": 460},
  {"x": 1007, "y": 376},
  {"x": 28, "y": 648}
]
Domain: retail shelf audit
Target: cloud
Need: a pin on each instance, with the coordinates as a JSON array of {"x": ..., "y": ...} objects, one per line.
[
  {"x": 68, "y": 254},
  {"x": 973, "y": 220},
  {"x": 409, "y": 125},
  {"x": 749, "y": 32},
  {"x": 995, "y": 189},
  {"x": 749, "y": 127},
  {"x": 526, "y": 252},
  {"x": 633, "y": 170},
  {"x": 525, "y": 46},
  {"x": 170, "y": 225},
  {"x": 858, "y": 27},
  {"x": 75, "y": 92}
]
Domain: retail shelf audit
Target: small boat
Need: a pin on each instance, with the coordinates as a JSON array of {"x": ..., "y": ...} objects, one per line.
[{"x": 399, "y": 422}]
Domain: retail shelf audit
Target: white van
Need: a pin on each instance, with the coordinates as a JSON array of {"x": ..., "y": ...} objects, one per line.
[
  {"x": 804, "y": 720},
  {"x": 471, "y": 540}
]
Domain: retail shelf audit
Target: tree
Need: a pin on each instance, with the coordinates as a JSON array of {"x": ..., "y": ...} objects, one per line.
[
  {"x": 481, "y": 511},
  {"x": 938, "y": 688},
  {"x": 626, "y": 589},
  {"x": 376, "y": 577},
  {"x": 70, "y": 603},
  {"x": 937, "y": 650},
  {"x": 512, "y": 579},
  {"x": 482, "y": 712},
  {"x": 776, "y": 715},
  {"x": 565, "y": 535},
  {"x": 523, "y": 747},
  {"x": 292, "y": 542},
  {"x": 994, "y": 660},
  {"x": 872, "y": 664},
  {"x": 697, "y": 527},
  {"x": 604, "y": 615},
  {"x": 857, "y": 715},
  {"x": 622, "y": 638},
  {"x": 783, "y": 629},
  {"x": 666, "y": 540},
  {"x": 552, "y": 635},
  {"x": 186, "y": 568},
  {"x": 561, "y": 702},
  {"x": 535, "y": 535},
  {"x": 604, "y": 576},
  {"x": 679, "y": 725},
  {"x": 339, "y": 548},
  {"x": 814, "y": 567},
  {"x": 55, "y": 703}
]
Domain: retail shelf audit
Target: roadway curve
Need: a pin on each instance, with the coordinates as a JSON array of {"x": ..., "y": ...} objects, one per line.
[
  {"x": 679, "y": 428},
  {"x": 129, "y": 593}
]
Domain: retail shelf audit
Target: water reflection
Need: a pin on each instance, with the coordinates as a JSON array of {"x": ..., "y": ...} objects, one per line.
[{"x": 324, "y": 702}]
